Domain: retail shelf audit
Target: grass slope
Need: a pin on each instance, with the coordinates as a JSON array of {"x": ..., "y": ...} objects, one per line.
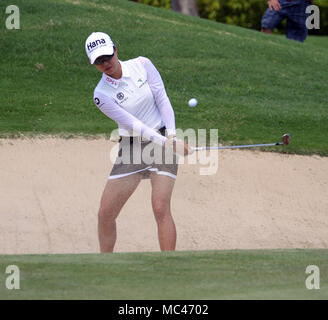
[
  {"x": 252, "y": 87},
  {"x": 242, "y": 274}
]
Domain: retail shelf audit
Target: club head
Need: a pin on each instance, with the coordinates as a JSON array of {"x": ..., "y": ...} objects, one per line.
[{"x": 286, "y": 139}]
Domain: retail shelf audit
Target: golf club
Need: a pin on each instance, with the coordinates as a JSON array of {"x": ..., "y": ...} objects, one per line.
[{"x": 285, "y": 140}]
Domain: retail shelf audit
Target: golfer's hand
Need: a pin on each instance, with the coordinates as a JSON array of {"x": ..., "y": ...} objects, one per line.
[
  {"x": 179, "y": 147},
  {"x": 184, "y": 148},
  {"x": 274, "y": 5}
]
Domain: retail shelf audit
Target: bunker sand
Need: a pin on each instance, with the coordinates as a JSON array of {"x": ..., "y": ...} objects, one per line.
[{"x": 50, "y": 190}]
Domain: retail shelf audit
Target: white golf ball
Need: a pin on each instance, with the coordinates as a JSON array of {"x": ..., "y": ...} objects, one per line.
[{"x": 192, "y": 102}]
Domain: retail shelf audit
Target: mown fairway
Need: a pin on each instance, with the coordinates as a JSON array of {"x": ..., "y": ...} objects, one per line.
[
  {"x": 252, "y": 87},
  {"x": 255, "y": 274}
]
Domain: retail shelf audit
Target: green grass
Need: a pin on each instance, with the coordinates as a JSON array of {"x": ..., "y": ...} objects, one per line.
[
  {"x": 321, "y": 42},
  {"x": 252, "y": 87},
  {"x": 211, "y": 275}
]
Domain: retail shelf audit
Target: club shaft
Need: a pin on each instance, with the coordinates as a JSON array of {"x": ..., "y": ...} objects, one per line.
[{"x": 236, "y": 147}]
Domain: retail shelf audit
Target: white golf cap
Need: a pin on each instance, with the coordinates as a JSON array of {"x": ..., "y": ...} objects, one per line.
[{"x": 98, "y": 44}]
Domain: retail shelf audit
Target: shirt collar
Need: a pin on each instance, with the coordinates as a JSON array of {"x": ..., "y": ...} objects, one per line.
[
  {"x": 115, "y": 82},
  {"x": 125, "y": 70}
]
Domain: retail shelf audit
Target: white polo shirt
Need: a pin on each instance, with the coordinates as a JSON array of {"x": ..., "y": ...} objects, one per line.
[{"x": 138, "y": 101}]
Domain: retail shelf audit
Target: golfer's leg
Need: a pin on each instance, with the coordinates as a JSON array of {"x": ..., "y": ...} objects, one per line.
[
  {"x": 162, "y": 187},
  {"x": 115, "y": 195}
]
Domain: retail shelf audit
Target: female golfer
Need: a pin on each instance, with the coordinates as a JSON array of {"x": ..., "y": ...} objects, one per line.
[{"x": 132, "y": 93}]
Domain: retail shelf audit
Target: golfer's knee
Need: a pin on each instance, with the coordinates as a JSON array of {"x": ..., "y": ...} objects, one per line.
[
  {"x": 107, "y": 214},
  {"x": 161, "y": 209}
]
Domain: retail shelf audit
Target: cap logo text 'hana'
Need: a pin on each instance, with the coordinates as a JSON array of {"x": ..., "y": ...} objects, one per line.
[{"x": 93, "y": 44}]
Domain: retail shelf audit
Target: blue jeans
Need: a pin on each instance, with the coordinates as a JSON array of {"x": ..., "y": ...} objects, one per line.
[{"x": 294, "y": 12}]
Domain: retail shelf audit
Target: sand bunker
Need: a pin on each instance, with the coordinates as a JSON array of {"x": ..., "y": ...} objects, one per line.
[{"x": 50, "y": 190}]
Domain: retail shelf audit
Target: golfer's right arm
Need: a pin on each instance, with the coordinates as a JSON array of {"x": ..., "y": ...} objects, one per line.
[{"x": 111, "y": 109}]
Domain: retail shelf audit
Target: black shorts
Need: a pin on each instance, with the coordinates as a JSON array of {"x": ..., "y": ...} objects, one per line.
[{"x": 136, "y": 156}]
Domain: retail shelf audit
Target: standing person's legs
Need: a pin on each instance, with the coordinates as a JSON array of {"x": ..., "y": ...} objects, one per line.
[
  {"x": 296, "y": 22},
  {"x": 271, "y": 20},
  {"x": 162, "y": 187},
  {"x": 115, "y": 195}
]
